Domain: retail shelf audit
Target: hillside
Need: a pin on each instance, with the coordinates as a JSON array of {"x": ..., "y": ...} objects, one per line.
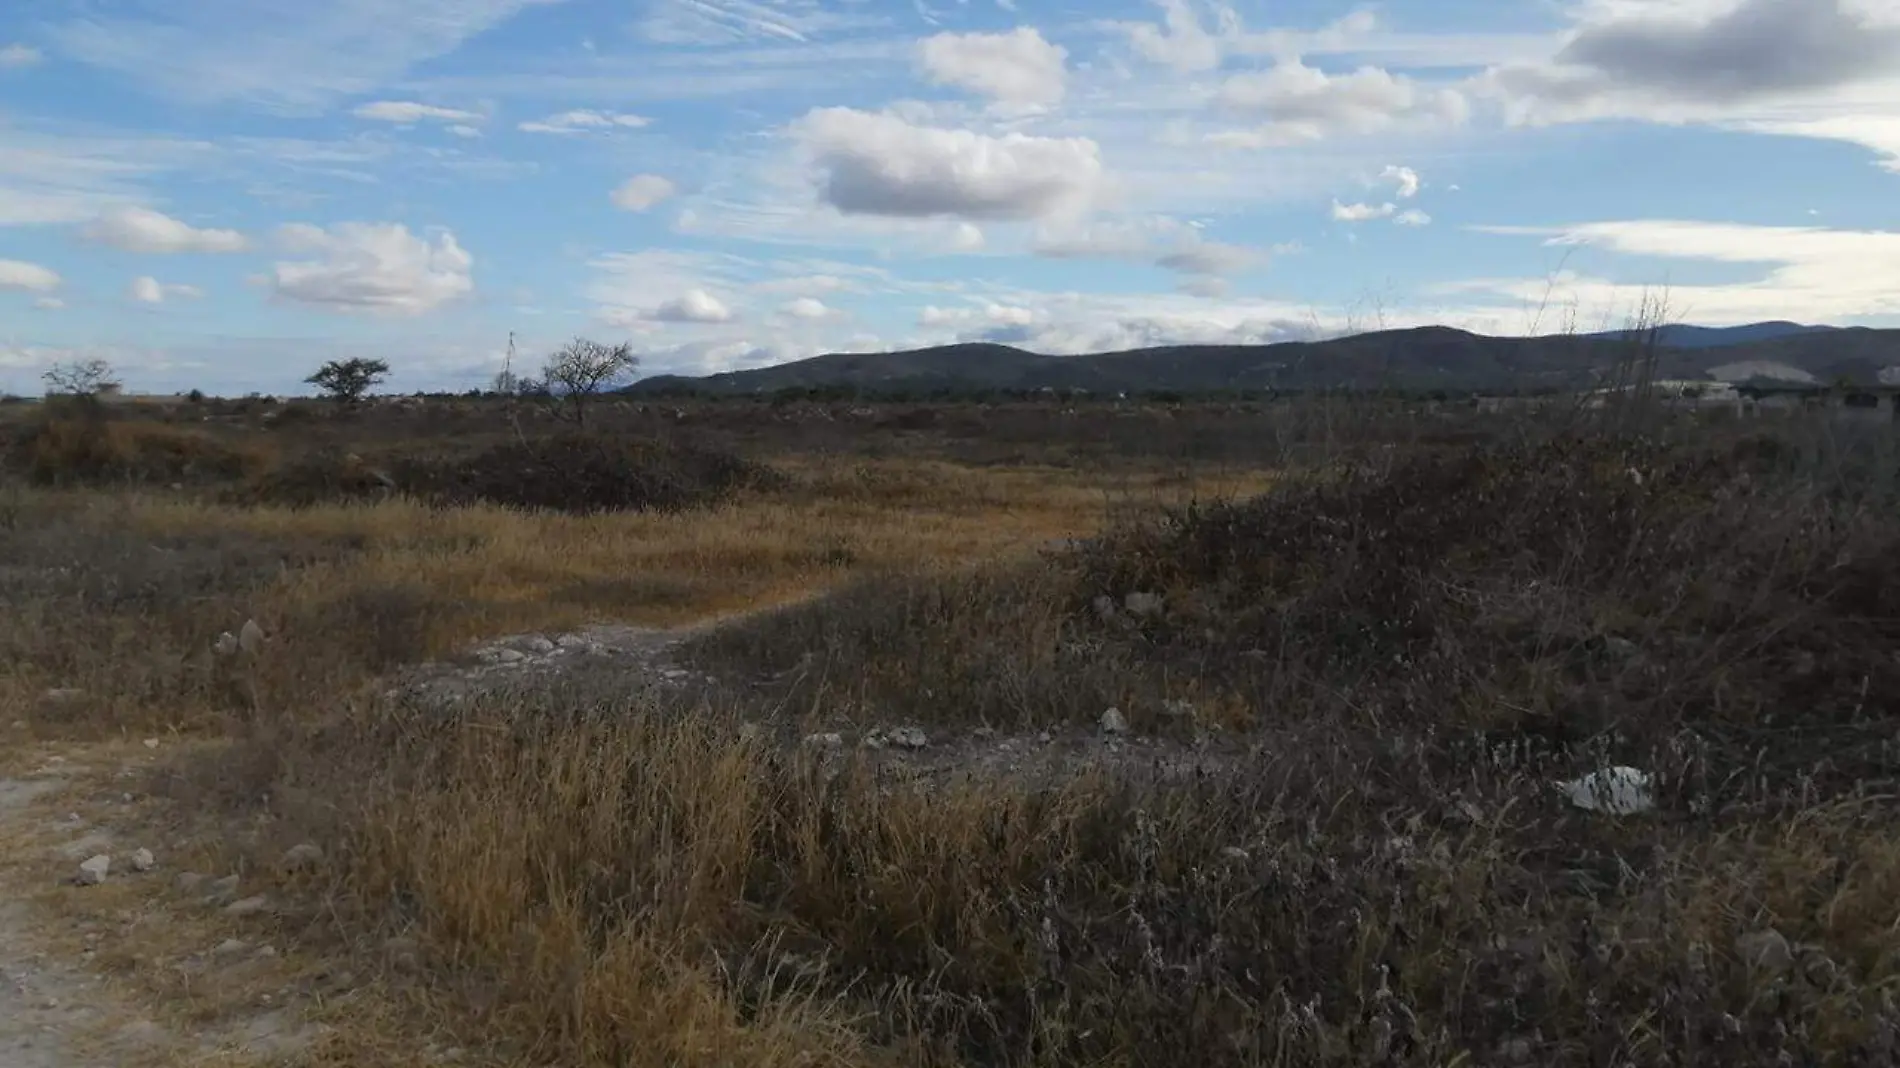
[{"x": 1433, "y": 357}]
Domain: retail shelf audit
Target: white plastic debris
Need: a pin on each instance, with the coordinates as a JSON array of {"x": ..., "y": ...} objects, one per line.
[{"x": 1618, "y": 791}]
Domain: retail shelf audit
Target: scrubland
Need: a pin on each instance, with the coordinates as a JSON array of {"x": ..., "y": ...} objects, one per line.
[{"x": 1366, "y": 638}]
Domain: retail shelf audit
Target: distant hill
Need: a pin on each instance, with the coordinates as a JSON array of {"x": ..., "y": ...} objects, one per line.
[
  {"x": 1685, "y": 336},
  {"x": 1432, "y": 357}
]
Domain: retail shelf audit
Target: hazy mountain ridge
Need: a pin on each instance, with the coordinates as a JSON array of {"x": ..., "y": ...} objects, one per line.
[{"x": 1432, "y": 357}]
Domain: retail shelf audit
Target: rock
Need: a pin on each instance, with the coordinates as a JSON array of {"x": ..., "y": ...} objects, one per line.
[
  {"x": 189, "y": 882},
  {"x": 509, "y": 656},
  {"x": 1515, "y": 1051},
  {"x": 1617, "y": 791},
  {"x": 985, "y": 732},
  {"x": 1765, "y": 951},
  {"x": 1178, "y": 709},
  {"x": 94, "y": 870},
  {"x": 249, "y": 906},
  {"x": 151, "y": 743},
  {"x": 250, "y": 637},
  {"x": 1104, "y": 606},
  {"x": 1143, "y": 605},
  {"x": 230, "y": 947},
  {"x": 404, "y": 954},
  {"x": 226, "y": 644},
  {"x": 540, "y": 646},
  {"x": 62, "y": 695},
  {"x": 1113, "y": 722},
  {"x": 875, "y": 740},
  {"x": 825, "y": 740},
  {"x": 1621, "y": 648},
  {"x": 1235, "y": 854},
  {"x": 223, "y": 889},
  {"x": 142, "y": 860},
  {"x": 302, "y": 857},
  {"x": 909, "y": 738},
  {"x": 572, "y": 641}
]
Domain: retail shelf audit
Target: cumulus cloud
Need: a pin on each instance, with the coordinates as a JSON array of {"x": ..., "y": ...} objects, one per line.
[
  {"x": 1302, "y": 103},
  {"x": 1180, "y": 41},
  {"x": 584, "y": 121},
  {"x": 1825, "y": 69},
  {"x": 880, "y": 164},
  {"x": 642, "y": 191},
  {"x": 17, "y": 56},
  {"x": 148, "y": 290},
  {"x": 377, "y": 268},
  {"x": 1405, "y": 179},
  {"x": 805, "y": 308},
  {"x": 136, "y": 229},
  {"x": 1353, "y": 213},
  {"x": 1019, "y": 68},
  {"x": 407, "y": 112},
  {"x": 693, "y": 306},
  {"x": 1412, "y": 217},
  {"x": 18, "y": 274}
]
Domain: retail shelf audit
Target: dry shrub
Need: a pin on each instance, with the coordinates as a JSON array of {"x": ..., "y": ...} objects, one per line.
[
  {"x": 573, "y": 473},
  {"x": 96, "y": 450}
]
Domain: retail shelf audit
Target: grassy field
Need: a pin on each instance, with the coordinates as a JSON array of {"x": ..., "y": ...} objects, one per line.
[{"x": 1374, "y": 636}]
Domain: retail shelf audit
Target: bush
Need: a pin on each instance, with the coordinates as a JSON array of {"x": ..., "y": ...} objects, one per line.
[{"x": 69, "y": 450}]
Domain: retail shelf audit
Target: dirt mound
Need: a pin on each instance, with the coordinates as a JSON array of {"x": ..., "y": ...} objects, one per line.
[{"x": 571, "y": 473}]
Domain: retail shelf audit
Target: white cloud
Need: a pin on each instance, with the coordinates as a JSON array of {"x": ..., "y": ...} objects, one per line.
[
  {"x": 18, "y": 56},
  {"x": 464, "y": 130},
  {"x": 966, "y": 237},
  {"x": 1207, "y": 258},
  {"x": 1404, "y": 178},
  {"x": 1019, "y": 68},
  {"x": 282, "y": 55},
  {"x": 806, "y": 308},
  {"x": 693, "y": 306},
  {"x": 1167, "y": 241},
  {"x": 148, "y": 290},
  {"x": 642, "y": 191},
  {"x": 715, "y": 22},
  {"x": 406, "y": 112},
  {"x": 1412, "y": 217},
  {"x": 1809, "y": 68},
  {"x": 49, "y": 304},
  {"x": 18, "y": 274},
  {"x": 376, "y": 268},
  {"x": 1302, "y": 103},
  {"x": 1810, "y": 273},
  {"x": 139, "y": 229},
  {"x": 584, "y": 121},
  {"x": 879, "y": 164},
  {"x": 1352, "y": 213},
  {"x": 1180, "y": 42}
]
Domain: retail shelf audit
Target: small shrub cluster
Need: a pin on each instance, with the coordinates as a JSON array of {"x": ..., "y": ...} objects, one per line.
[{"x": 93, "y": 450}]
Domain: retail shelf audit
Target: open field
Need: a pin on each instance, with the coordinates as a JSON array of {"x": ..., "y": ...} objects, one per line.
[{"x": 850, "y": 793}]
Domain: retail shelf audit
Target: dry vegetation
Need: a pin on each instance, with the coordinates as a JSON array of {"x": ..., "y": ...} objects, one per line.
[{"x": 1382, "y": 633}]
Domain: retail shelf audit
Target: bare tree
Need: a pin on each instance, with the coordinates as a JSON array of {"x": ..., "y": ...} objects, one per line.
[
  {"x": 80, "y": 378},
  {"x": 582, "y": 368}
]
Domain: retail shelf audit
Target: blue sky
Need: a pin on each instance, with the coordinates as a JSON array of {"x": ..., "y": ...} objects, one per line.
[{"x": 224, "y": 193}]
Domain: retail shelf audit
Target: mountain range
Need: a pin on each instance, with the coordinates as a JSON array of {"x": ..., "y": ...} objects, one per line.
[{"x": 1428, "y": 357}]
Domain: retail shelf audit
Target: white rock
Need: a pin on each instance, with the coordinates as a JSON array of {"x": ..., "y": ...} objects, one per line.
[
  {"x": 302, "y": 857},
  {"x": 151, "y": 743},
  {"x": 540, "y": 645},
  {"x": 1618, "y": 791},
  {"x": 508, "y": 656},
  {"x": 250, "y": 637},
  {"x": 1113, "y": 722},
  {"x": 825, "y": 740},
  {"x": 249, "y": 906},
  {"x": 94, "y": 870},
  {"x": 230, "y": 947},
  {"x": 1143, "y": 605},
  {"x": 62, "y": 695},
  {"x": 142, "y": 860},
  {"x": 226, "y": 645},
  {"x": 1178, "y": 709},
  {"x": 909, "y": 738}
]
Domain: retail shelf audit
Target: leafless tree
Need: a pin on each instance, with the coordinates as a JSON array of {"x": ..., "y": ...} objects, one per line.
[
  {"x": 582, "y": 368},
  {"x": 80, "y": 378}
]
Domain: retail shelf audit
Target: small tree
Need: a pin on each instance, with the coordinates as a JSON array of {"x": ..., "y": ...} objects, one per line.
[
  {"x": 80, "y": 378},
  {"x": 583, "y": 368},
  {"x": 345, "y": 381}
]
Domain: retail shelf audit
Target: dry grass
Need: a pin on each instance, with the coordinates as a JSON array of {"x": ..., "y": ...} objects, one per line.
[{"x": 1394, "y": 663}]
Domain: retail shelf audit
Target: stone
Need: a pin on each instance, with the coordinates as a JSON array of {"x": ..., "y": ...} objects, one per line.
[
  {"x": 230, "y": 947},
  {"x": 189, "y": 882},
  {"x": 302, "y": 857},
  {"x": 825, "y": 740},
  {"x": 1616, "y": 791},
  {"x": 909, "y": 738},
  {"x": 250, "y": 637},
  {"x": 1143, "y": 605},
  {"x": 1765, "y": 951},
  {"x": 94, "y": 870},
  {"x": 540, "y": 646},
  {"x": 1104, "y": 606},
  {"x": 1113, "y": 722},
  {"x": 509, "y": 656},
  {"x": 249, "y": 906},
  {"x": 142, "y": 860},
  {"x": 1178, "y": 709},
  {"x": 62, "y": 695},
  {"x": 151, "y": 743},
  {"x": 223, "y": 889},
  {"x": 226, "y": 644}
]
